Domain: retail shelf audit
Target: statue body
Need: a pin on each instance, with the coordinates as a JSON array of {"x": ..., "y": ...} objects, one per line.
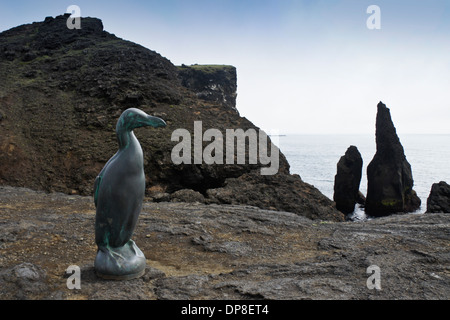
[{"x": 118, "y": 195}]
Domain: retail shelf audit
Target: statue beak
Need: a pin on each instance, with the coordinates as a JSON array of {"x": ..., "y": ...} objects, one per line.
[{"x": 155, "y": 122}]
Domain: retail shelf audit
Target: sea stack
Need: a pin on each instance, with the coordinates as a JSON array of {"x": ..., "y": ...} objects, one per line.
[
  {"x": 439, "y": 199},
  {"x": 347, "y": 180},
  {"x": 389, "y": 176}
]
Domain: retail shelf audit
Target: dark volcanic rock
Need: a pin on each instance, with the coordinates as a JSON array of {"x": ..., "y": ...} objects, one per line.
[
  {"x": 214, "y": 83},
  {"x": 439, "y": 199},
  {"x": 347, "y": 180},
  {"x": 62, "y": 91},
  {"x": 389, "y": 175},
  {"x": 287, "y": 193}
]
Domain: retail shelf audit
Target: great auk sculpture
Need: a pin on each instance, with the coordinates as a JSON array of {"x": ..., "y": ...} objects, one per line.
[{"x": 118, "y": 195}]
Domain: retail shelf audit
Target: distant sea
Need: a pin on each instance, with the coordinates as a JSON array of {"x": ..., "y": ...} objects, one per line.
[{"x": 315, "y": 157}]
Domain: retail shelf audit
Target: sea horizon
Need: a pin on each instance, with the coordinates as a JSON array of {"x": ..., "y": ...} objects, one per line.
[{"x": 315, "y": 156}]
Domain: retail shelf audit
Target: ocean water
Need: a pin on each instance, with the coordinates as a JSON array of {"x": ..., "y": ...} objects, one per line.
[{"x": 315, "y": 158}]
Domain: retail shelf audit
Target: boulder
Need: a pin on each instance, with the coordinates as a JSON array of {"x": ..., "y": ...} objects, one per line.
[
  {"x": 439, "y": 199},
  {"x": 187, "y": 195},
  {"x": 389, "y": 175},
  {"x": 347, "y": 180}
]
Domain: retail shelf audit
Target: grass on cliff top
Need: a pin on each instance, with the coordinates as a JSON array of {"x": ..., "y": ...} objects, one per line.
[{"x": 207, "y": 68}]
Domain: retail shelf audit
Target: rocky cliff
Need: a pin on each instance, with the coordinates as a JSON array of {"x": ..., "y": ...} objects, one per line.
[{"x": 62, "y": 91}]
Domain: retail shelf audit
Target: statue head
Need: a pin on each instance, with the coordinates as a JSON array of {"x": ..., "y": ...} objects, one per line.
[{"x": 134, "y": 118}]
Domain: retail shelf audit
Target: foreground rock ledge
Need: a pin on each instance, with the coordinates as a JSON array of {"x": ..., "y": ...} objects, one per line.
[{"x": 198, "y": 251}]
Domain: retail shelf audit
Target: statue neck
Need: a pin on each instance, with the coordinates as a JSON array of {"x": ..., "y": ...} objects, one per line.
[{"x": 125, "y": 138}]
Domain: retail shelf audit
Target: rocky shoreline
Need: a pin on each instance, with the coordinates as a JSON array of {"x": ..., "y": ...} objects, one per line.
[{"x": 198, "y": 251}]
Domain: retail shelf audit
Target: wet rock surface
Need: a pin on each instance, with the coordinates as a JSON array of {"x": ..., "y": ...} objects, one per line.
[{"x": 198, "y": 251}]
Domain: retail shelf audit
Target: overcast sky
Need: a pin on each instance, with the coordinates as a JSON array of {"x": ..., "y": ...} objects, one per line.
[{"x": 303, "y": 66}]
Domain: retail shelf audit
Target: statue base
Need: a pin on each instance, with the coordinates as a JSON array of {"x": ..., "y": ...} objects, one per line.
[{"x": 122, "y": 263}]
